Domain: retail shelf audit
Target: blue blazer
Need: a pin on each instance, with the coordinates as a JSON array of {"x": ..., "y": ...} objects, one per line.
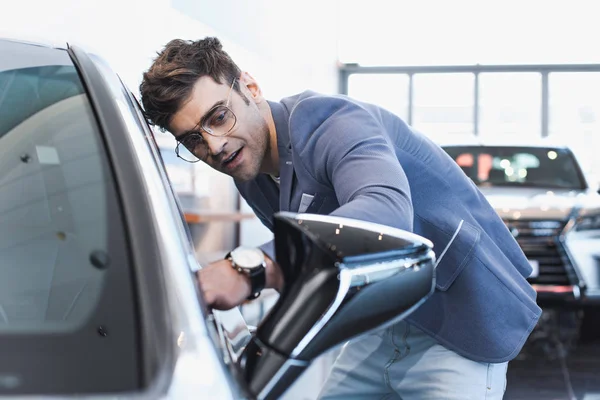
[{"x": 346, "y": 158}]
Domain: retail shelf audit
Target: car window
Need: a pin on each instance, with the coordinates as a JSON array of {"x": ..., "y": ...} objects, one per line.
[
  {"x": 66, "y": 295},
  {"x": 518, "y": 166}
]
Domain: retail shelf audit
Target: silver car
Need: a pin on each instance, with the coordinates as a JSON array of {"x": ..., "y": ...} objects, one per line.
[
  {"x": 550, "y": 207},
  {"x": 97, "y": 288}
]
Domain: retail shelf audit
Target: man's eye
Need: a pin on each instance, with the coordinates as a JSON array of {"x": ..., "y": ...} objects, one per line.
[
  {"x": 218, "y": 118},
  {"x": 193, "y": 140}
]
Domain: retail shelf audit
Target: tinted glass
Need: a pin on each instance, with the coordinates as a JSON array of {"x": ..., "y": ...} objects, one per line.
[
  {"x": 67, "y": 321},
  {"x": 518, "y": 166}
]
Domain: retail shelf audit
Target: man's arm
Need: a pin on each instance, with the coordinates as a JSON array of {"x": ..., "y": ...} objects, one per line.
[
  {"x": 223, "y": 287},
  {"x": 343, "y": 146}
]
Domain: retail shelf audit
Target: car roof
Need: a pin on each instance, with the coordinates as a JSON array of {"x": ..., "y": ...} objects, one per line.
[{"x": 33, "y": 41}]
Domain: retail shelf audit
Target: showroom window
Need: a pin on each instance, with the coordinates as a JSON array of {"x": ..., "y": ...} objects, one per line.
[
  {"x": 574, "y": 114},
  {"x": 390, "y": 91},
  {"x": 510, "y": 105},
  {"x": 443, "y": 103}
]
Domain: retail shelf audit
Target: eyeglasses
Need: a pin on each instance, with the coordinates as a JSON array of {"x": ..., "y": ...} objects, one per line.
[{"x": 218, "y": 121}]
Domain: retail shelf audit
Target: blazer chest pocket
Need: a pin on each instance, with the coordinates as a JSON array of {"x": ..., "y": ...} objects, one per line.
[
  {"x": 305, "y": 202},
  {"x": 453, "y": 260},
  {"x": 319, "y": 204}
]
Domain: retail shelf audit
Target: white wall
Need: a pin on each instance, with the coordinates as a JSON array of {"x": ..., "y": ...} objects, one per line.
[
  {"x": 286, "y": 47},
  {"x": 437, "y": 32}
]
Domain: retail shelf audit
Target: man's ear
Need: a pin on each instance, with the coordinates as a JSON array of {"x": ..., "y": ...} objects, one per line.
[{"x": 252, "y": 85}]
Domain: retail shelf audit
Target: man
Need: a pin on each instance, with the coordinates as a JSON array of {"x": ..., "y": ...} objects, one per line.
[{"x": 334, "y": 155}]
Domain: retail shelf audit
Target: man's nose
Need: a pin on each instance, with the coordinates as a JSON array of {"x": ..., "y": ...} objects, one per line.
[{"x": 216, "y": 144}]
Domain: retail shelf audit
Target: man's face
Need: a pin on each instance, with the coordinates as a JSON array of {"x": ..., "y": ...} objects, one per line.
[{"x": 239, "y": 141}]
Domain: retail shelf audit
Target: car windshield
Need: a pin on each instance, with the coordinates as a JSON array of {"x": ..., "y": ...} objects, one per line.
[{"x": 545, "y": 167}]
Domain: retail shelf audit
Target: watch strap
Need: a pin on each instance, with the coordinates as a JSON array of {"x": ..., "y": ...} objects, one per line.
[
  {"x": 257, "y": 282},
  {"x": 257, "y": 276}
]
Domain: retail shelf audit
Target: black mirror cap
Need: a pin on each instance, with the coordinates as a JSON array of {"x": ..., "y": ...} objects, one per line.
[
  {"x": 342, "y": 278},
  {"x": 317, "y": 255},
  {"x": 374, "y": 307},
  {"x": 337, "y": 239}
]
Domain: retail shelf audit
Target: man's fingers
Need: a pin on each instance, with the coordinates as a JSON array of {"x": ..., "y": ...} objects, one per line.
[
  {"x": 209, "y": 297},
  {"x": 222, "y": 287}
]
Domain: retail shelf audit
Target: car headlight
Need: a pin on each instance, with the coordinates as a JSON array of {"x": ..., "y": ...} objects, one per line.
[{"x": 588, "y": 223}]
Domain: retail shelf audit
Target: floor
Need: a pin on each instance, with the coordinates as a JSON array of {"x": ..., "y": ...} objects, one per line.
[{"x": 542, "y": 377}]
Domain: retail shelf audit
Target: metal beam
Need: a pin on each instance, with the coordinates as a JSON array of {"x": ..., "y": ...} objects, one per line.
[
  {"x": 410, "y": 99},
  {"x": 346, "y": 70},
  {"x": 437, "y": 69},
  {"x": 343, "y": 82},
  {"x": 545, "y": 104},
  {"x": 476, "y": 104}
]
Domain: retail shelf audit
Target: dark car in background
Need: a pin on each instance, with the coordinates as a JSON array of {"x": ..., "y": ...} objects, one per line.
[{"x": 97, "y": 292}]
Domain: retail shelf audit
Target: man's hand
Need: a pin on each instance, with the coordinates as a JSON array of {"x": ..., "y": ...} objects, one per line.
[{"x": 222, "y": 286}]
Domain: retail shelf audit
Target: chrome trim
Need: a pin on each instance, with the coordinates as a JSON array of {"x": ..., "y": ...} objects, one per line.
[
  {"x": 345, "y": 279},
  {"x": 368, "y": 274},
  {"x": 577, "y": 292},
  {"x": 233, "y": 332},
  {"x": 559, "y": 238},
  {"x": 569, "y": 225},
  {"x": 369, "y": 226},
  {"x": 372, "y": 273},
  {"x": 562, "y": 238}
]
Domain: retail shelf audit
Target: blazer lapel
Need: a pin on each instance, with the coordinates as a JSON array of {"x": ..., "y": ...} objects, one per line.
[
  {"x": 286, "y": 167},
  {"x": 286, "y": 175}
]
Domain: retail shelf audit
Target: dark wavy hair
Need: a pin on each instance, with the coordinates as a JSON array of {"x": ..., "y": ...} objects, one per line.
[{"x": 169, "y": 81}]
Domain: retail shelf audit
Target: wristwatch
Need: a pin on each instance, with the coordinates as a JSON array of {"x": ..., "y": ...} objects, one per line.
[{"x": 250, "y": 261}]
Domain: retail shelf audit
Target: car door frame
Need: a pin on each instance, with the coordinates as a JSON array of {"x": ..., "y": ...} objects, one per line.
[{"x": 171, "y": 310}]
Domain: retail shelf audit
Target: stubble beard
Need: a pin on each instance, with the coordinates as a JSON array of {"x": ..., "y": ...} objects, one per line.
[{"x": 258, "y": 159}]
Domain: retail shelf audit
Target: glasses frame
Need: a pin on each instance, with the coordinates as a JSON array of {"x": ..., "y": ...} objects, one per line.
[{"x": 207, "y": 130}]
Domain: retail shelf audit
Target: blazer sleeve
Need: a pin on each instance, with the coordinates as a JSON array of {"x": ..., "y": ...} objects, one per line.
[
  {"x": 250, "y": 190},
  {"x": 342, "y": 145}
]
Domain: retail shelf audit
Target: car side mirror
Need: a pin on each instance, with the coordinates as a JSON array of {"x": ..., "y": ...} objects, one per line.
[{"x": 343, "y": 278}]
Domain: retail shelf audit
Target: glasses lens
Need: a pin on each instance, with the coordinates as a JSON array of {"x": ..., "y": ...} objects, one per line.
[
  {"x": 185, "y": 154},
  {"x": 220, "y": 122}
]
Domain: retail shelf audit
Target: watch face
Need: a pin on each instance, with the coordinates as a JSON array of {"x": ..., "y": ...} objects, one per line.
[{"x": 248, "y": 257}]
